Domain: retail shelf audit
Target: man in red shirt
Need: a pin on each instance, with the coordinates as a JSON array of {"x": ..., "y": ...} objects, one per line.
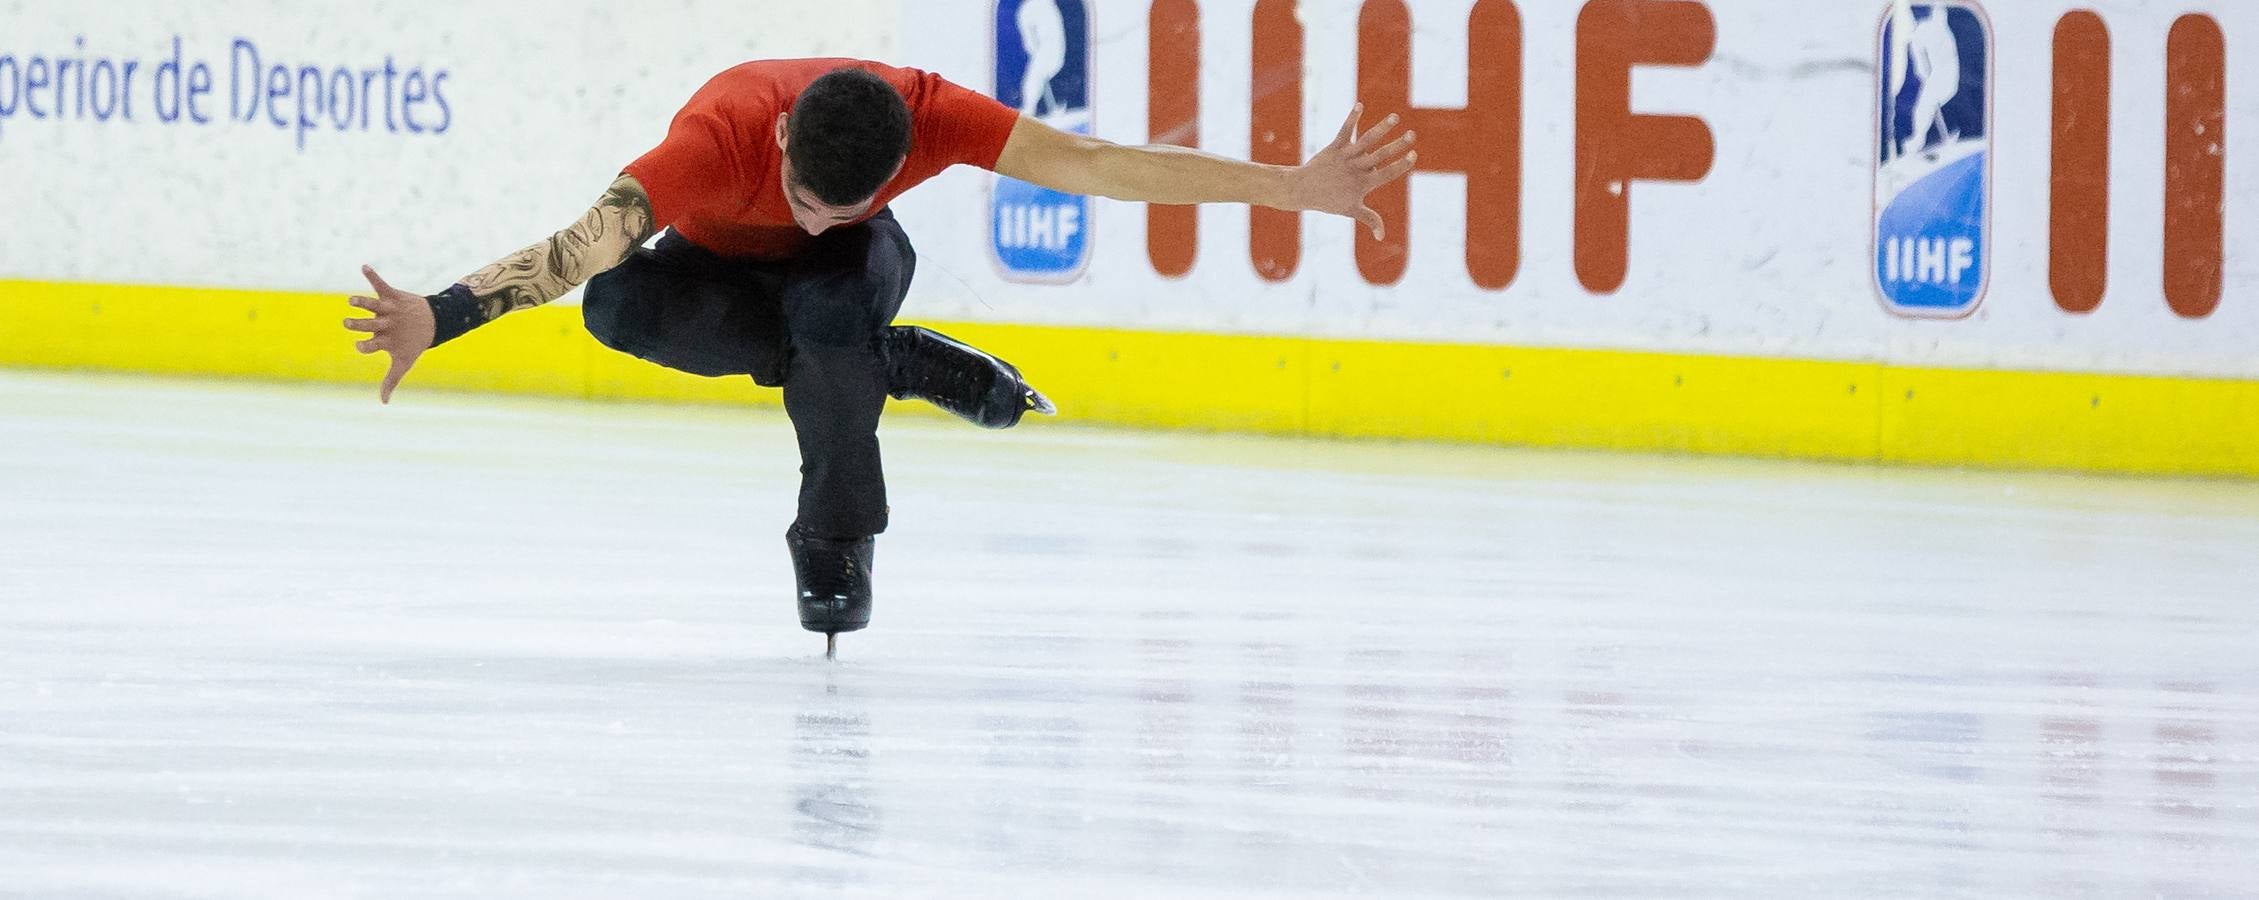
[{"x": 783, "y": 262}]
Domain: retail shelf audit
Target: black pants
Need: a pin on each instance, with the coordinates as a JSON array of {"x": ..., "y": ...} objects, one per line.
[{"x": 810, "y": 324}]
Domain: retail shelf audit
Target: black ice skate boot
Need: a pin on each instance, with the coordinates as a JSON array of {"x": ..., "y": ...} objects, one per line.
[
  {"x": 924, "y": 364},
  {"x": 834, "y": 579}
]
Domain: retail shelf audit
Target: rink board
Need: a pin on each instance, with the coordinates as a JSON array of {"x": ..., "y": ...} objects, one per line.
[
  {"x": 1808, "y": 266},
  {"x": 1600, "y": 399}
]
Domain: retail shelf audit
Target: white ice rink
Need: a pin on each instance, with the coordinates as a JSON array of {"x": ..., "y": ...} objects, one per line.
[{"x": 261, "y": 641}]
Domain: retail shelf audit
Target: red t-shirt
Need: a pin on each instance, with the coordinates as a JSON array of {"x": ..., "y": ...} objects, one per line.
[{"x": 718, "y": 180}]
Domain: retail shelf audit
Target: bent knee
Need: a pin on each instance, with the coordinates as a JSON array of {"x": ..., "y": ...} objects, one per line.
[
  {"x": 835, "y": 321},
  {"x": 602, "y": 305}
]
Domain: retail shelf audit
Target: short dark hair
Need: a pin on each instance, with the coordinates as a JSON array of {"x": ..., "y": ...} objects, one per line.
[{"x": 848, "y": 131}]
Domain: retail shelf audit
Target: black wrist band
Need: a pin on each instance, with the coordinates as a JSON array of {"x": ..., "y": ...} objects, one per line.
[{"x": 456, "y": 311}]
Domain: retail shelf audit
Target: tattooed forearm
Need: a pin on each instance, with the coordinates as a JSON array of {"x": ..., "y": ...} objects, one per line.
[{"x": 604, "y": 236}]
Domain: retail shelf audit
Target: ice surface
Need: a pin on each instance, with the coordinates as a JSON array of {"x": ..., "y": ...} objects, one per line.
[{"x": 286, "y": 642}]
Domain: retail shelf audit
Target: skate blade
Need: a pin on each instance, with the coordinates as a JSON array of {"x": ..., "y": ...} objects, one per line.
[
  {"x": 831, "y": 645},
  {"x": 1040, "y": 403}
]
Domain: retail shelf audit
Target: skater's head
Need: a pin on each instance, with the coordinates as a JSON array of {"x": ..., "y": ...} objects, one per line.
[{"x": 845, "y": 138}]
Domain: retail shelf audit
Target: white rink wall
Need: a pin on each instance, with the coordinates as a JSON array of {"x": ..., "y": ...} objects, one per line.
[
  {"x": 1769, "y": 253},
  {"x": 547, "y": 99}
]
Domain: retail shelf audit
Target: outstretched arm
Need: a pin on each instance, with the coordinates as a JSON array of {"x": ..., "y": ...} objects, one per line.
[
  {"x": 405, "y": 324},
  {"x": 1335, "y": 180}
]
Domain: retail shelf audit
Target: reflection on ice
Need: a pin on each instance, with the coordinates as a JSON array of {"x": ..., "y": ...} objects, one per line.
[{"x": 1219, "y": 667}]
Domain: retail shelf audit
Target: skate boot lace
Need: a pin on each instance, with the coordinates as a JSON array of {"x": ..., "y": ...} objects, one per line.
[
  {"x": 930, "y": 372},
  {"x": 841, "y": 588},
  {"x": 835, "y": 580}
]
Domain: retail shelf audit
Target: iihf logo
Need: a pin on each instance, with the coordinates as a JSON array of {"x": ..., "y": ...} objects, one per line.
[
  {"x": 1933, "y": 162},
  {"x": 1043, "y": 69}
]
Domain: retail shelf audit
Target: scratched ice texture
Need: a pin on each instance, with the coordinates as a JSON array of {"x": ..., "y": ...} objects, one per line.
[{"x": 285, "y": 642}]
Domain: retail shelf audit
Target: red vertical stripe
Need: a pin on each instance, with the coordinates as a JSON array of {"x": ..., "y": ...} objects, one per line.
[
  {"x": 1172, "y": 116},
  {"x": 1274, "y": 239},
  {"x": 2196, "y": 146},
  {"x": 2078, "y": 224}
]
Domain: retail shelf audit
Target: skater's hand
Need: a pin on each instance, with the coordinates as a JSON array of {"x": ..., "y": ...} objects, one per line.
[
  {"x": 402, "y": 326},
  {"x": 1337, "y": 179}
]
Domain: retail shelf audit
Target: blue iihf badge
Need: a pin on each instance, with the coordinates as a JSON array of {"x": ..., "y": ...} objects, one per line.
[
  {"x": 1043, "y": 70},
  {"x": 1933, "y": 162}
]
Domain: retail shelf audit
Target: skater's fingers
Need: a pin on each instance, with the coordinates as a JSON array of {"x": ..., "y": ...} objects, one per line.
[
  {"x": 1392, "y": 172},
  {"x": 1379, "y": 131},
  {"x": 1349, "y": 128},
  {"x": 377, "y": 281},
  {"x": 1393, "y": 151},
  {"x": 399, "y": 370},
  {"x": 367, "y": 346},
  {"x": 1372, "y": 222},
  {"x": 367, "y": 303},
  {"x": 372, "y": 325}
]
